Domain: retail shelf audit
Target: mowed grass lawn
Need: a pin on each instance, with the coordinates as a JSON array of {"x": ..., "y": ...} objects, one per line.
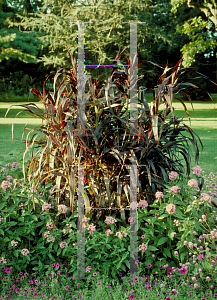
[{"x": 203, "y": 122}]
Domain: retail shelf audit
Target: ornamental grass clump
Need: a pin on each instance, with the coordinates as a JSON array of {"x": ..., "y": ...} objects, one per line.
[{"x": 107, "y": 147}]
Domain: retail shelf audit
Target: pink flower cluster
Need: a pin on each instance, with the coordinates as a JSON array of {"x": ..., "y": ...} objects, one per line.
[
  {"x": 63, "y": 245},
  {"x": 14, "y": 243},
  {"x": 119, "y": 234},
  {"x": 88, "y": 269},
  {"x": 173, "y": 175},
  {"x": 134, "y": 205},
  {"x": 46, "y": 206},
  {"x": 143, "y": 247},
  {"x": 13, "y": 165},
  {"x": 85, "y": 220},
  {"x": 5, "y": 184},
  {"x": 3, "y": 170},
  {"x": 91, "y": 227},
  {"x": 62, "y": 208},
  {"x": 205, "y": 197},
  {"x": 171, "y": 208},
  {"x": 177, "y": 222},
  {"x": 159, "y": 195},
  {"x": 110, "y": 220},
  {"x": 49, "y": 225},
  {"x": 192, "y": 183},
  {"x": 21, "y": 205},
  {"x": 46, "y": 234},
  {"x": 174, "y": 189},
  {"x": 3, "y": 260},
  {"x": 108, "y": 232},
  {"x": 24, "y": 252},
  {"x": 197, "y": 170},
  {"x": 131, "y": 220},
  {"x": 142, "y": 203}
]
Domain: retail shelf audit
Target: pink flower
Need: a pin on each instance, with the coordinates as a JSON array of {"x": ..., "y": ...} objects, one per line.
[
  {"x": 88, "y": 269},
  {"x": 25, "y": 252},
  {"x": 143, "y": 236},
  {"x": 176, "y": 252},
  {"x": 190, "y": 244},
  {"x": 108, "y": 232},
  {"x": 183, "y": 271},
  {"x": 46, "y": 206},
  {"x": 84, "y": 225},
  {"x": 159, "y": 195},
  {"x": 200, "y": 256},
  {"x": 131, "y": 220},
  {"x": 5, "y": 185},
  {"x": 49, "y": 225},
  {"x": 119, "y": 234},
  {"x": 185, "y": 243},
  {"x": 46, "y": 234},
  {"x": 15, "y": 164},
  {"x": 62, "y": 208},
  {"x": 203, "y": 217},
  {"x": 110, "y": 220},
  {"x": 3, "y": 170},
  {"x": 171, "y": 208},
  {"x": 173, "y": 175},
  {"x": 197, "y": 170},
  {"x": 14, "y": 243},
  {"x": 174, "y": 189},
  {"x": 206, "y": 197},
  {"x": 9, "y": 177},
  {"x": 196, "y": 286},
  {"x": 143, "y": 203},
  {"x": 134, "y": 205},
  {"x": 192, "y": 183},
  {"x": 3, "y": 260},
  {"x": 142, "y": 247},
  {"x": 8, "y": 270},
  {"x": 91, "y": 227},
  {"x": 63, "y": 245}
]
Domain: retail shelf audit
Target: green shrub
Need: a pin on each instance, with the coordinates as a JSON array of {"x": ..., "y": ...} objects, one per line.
[{"x": 178, "y": 215}]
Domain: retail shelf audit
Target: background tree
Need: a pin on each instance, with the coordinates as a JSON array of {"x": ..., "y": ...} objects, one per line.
[
  {"x": 200, "y": 29},
  {"x": 19, "y": 50},
  {"x": 156, "y": 38}
]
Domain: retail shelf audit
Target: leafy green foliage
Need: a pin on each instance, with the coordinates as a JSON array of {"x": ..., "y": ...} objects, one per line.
[
  {"x": 198, "y": 28},
  {"x": 113, "y": 257}
]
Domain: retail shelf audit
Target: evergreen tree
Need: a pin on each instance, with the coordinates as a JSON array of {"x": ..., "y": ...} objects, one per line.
[{"x": 106, "y": 34}]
